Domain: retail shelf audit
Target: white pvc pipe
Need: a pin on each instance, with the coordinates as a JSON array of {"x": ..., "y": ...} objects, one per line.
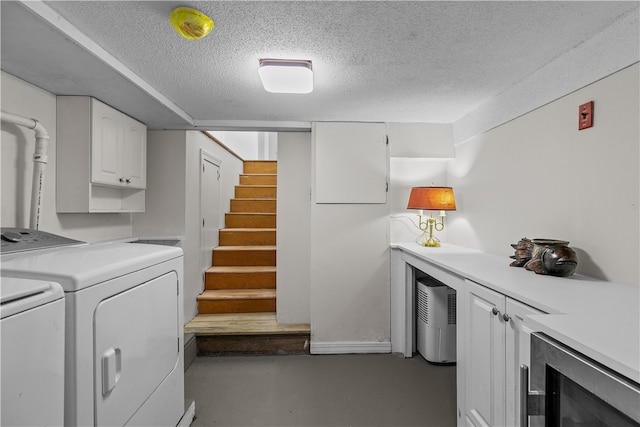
[{"x": 39, "y": 162}]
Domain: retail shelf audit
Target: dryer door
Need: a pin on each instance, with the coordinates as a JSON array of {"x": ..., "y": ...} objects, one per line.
[{"x": 136, "y": 347}]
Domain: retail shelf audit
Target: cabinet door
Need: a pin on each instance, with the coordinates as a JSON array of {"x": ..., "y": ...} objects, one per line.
[
  {"x": 485, "y": 352},
  {"x": 518, "y": 344},
  {"x": 106, "y": 144},
  {"x": 420, "y": 140},
  {"x": 350, "y": 161},
  {"x": 134, "y": 149}
]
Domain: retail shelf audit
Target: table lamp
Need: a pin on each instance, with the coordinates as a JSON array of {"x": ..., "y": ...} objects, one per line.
[{"x": 431, "y": 199}]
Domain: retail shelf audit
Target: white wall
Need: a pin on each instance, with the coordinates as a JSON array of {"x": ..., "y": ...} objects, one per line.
[
  {"x": 350, "y": 299},
  {"x": 350, "y": 256},
  {"x": 294, "y": 227},
  {"x": 539, "y": 177},
  {"x": 406, "y": 173},
  {"x": 173, "y": 198},
  {"x": 166, "y": 182},
  {"x": 250, "y": 145},
  {"x": 24, "y": 99}
]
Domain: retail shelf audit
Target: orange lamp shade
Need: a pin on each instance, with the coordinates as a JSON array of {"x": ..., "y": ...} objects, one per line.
[{"x": 432, "y": 198}]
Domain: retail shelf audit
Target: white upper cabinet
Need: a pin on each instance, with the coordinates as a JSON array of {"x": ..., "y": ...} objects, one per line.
[
  {"x": 134, "y": 165},
  {"x": 422, "y": 140},
  {"x": 119, "y": 146},
  {"x": 101, "y": 163},
  {"x": 350, "y": 162}
]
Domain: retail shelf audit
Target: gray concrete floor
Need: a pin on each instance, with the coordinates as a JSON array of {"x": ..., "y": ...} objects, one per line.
[{"x": 321, "y": 390}]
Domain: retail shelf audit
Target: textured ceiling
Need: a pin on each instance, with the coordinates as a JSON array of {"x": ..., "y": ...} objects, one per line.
[{"x": 426, "y": 61}]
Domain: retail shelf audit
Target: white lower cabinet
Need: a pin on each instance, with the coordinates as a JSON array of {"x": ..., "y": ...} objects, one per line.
[{"x": 497, "y": 342}]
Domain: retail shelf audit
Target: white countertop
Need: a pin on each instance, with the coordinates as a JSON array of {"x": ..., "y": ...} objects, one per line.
[{"x": 597, "y": 318}]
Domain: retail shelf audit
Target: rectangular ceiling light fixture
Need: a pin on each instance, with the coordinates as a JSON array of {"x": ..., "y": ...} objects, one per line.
[{"x": 286, "y": 75}]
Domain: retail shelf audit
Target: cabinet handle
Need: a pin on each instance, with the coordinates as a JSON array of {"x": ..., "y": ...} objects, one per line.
[
  {"x": 495, "y": 311},
  {"x": 128, "y": 180},
  {"x": 506, "y": 317},
  {"x": 121, "y": 180}
]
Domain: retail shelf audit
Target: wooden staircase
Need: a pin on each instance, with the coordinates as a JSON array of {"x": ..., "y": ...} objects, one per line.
[{"x": 237, "y": 308}]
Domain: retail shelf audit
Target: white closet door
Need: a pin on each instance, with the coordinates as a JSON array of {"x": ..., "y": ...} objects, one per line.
[{"x": 350, "y": 162}]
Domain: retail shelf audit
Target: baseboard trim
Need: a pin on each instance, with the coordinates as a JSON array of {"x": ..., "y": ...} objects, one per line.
[
  {"x": 350, "y": 347},
  {"x": 190, "y": 350},
  {"x": 189, "y": 414}
]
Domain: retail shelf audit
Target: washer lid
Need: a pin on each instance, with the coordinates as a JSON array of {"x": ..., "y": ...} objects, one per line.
[{"x": 18, "y": 295}]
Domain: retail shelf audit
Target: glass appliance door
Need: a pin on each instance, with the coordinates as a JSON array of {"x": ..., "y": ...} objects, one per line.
[{"x": 569, "y": 389}]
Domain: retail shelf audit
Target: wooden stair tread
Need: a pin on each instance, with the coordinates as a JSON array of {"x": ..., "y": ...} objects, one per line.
[
  {"x": 243, "y": 324},
  {"x": 252, "y": 213},
  {"x": 245, "y": 248},
  {"x": 255, "y": 199},
  {"x": 242, "y": 269},
  {"x": 235, "y": 294},
  {"x": 246, "y": 230}
]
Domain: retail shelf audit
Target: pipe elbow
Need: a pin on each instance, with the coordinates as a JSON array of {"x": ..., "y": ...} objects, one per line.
[{"x": 40, "y": 130}]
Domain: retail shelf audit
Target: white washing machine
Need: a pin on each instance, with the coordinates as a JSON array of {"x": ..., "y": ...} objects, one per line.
[
  {"x": 124, "y": 319},
  {"x": 32, "y": 353}
]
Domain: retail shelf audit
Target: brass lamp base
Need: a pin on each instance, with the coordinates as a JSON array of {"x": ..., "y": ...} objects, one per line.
[
  {"x": 431, "y": 243},
  {"x": 427, "y": 228}
]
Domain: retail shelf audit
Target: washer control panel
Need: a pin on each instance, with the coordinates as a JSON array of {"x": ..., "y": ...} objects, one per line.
[{"x": 25, "y": 239}]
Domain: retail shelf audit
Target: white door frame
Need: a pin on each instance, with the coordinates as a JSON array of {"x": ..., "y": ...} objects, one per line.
[{"x": 207, "y": 157}]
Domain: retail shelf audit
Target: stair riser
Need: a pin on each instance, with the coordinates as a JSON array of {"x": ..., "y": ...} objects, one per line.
[
  {"x": 237, "y": 306},
  {"x": 246, "y": 257},
  {"x": 246, "y": 238},
  {"x": 260, "y": 167},
  {"x": 258, "y": 179},
  {"x": 256, "y": 345},
  {"x": 254, "y": 206},
  {"x": 243, "y": 192},
  {"x": 215, "y": 281},
  {"x": 240, "y": 220}
]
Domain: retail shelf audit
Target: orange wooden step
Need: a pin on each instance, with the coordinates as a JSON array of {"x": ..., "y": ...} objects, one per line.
[
  {"x": 250, "y": 220},
  {"x": 254, "y": 205},
  {"x": 244, "y": 255},
  {"x": 240, "y": 277},
  {"x": 258, "y": 179},
  {"x": 246, "y": 236},
  {"x": 237, "y": 301},
  {"x": 256, "y": 192},
  {"x": 260, "y": 166}
]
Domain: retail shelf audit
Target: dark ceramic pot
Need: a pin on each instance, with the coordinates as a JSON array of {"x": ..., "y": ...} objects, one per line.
[
  {"x": 553, "y": 257},
  {"x": 559, "y": 261},
  {"x": 540, "y": 245}
]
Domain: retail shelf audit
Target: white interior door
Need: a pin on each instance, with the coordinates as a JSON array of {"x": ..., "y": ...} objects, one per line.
[{"x": 209, "y": 207}]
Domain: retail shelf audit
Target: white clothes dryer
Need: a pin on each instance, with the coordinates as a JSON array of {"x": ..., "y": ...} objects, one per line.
[
  {"x": 32, "y": 353},
  {"x": 124, "y": 319}
]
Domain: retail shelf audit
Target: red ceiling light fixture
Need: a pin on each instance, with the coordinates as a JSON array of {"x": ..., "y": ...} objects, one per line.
[{"x": 431, "y": 199}]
